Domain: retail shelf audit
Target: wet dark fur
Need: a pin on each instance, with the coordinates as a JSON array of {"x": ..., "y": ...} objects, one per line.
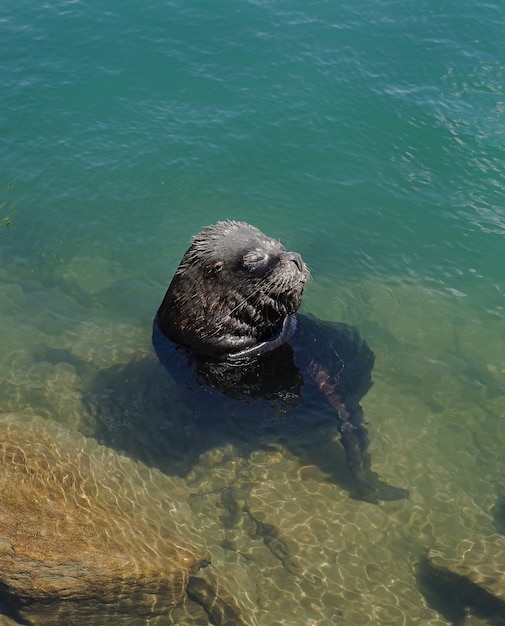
[{"x": 232, "y": 291}]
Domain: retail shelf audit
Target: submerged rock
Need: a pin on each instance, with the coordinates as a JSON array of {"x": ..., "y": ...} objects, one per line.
[
  {"x": 88, "y": 536},
  {"x": 473, "y": 574}
]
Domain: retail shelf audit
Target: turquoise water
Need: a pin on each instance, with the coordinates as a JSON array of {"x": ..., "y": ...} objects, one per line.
[{"x": 368, "y": 136}]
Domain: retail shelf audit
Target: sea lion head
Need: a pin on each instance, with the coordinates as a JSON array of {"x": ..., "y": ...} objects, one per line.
[{"x": 233, "y": 290}]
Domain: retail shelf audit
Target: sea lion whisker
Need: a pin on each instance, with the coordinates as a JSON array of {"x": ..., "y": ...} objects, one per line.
[{"x": 246, "y": 299}]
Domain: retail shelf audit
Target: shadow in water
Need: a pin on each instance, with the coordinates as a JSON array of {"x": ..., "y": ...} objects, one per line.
[
  {"x": 457, "y": 598},
  {"x": 301, "y": 396},
  {"x": 499, "y": 514}
]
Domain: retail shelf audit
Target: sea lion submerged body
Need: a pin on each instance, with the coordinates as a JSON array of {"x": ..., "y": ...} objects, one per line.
[{"x": 229, "y": 322}]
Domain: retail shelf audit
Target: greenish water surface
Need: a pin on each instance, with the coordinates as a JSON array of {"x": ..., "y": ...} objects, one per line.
[{"x": 369, "y": 137}]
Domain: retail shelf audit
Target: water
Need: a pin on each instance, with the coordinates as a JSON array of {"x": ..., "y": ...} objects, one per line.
[{"x": 368, "y": 136}]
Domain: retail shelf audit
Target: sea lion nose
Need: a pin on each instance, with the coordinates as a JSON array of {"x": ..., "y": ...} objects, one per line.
[{"x": 297, "y": 259}]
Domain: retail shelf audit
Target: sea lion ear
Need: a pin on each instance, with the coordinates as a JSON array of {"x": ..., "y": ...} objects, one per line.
[{"x": 216, "y": 267}]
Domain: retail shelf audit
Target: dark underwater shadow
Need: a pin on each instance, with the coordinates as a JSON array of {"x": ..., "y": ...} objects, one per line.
[
  {"x": 456, "y": 598},
  {"x": 140, "y": 411},
  {"x": 168, "y": 414}
]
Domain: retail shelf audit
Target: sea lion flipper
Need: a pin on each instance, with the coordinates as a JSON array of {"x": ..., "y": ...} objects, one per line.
[
  {"x": 354, "y": 437},
  {"x": 369, "y": 486},
  {"x": 376, "y": 490}
]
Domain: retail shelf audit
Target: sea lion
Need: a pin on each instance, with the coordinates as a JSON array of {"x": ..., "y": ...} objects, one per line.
[{"x": 229, "y": 322}]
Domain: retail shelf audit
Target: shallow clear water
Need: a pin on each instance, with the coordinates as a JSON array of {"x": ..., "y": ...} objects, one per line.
[{"x": 368, "y": 137}]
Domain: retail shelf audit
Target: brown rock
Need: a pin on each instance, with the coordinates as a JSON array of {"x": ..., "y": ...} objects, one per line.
[{"x": 88, "y": 536}]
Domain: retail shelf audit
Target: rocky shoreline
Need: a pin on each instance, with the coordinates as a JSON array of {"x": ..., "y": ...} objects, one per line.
[{"x": 90, "y": 537}]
